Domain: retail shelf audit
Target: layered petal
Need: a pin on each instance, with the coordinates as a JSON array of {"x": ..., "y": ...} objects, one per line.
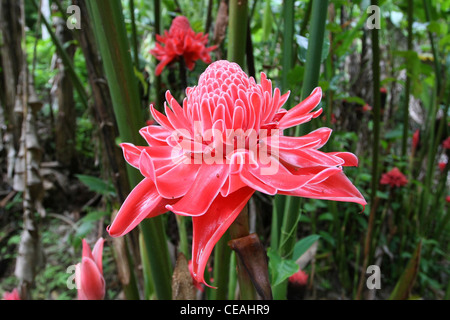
[
  {"x": 90, "y": 281},
  {"x": 209, "y": 228},
  {"x": 144, "y": 201},
  {"x": 206, "y": 187},
  {"x": 336, "y": 187}
]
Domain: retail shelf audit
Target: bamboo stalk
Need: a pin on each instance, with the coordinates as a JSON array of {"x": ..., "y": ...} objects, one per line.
[
  {"x": 222, "y": 257},
  {"x": 237, "y": 31},
  {"x": 288, "y": 37}
]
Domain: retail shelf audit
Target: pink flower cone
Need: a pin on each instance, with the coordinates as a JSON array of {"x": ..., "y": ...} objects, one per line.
[
  {"x": 89, "y": 273},
  {"x": 181, "y": 41},
  {"x": 13, "y": 295},
  {"x": 208, "y": 157},
  {"x": 394, "y": 178}
]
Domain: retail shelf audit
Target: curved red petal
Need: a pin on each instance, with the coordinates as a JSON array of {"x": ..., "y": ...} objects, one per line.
[
  {"x": 91, "y": 280},
  {"x": 336, "y": 187},
  {"x": 309, "y": 157},
  {"x": 277, "y": 176},
  {"x": 350, "y": 160},
  {"x": 97, "y": 253},
  {"x": 207, "y": 184},
  {"x": 131, "y": 153},
  {"x": 303, "y": 108},
  {"x": 177, "y": 181},
  {"x": 142, "y": 202},
  {"x": 209, "y": 228}
]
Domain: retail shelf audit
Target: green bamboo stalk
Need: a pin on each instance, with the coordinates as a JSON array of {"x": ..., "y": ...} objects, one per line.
[
  {"x": 222, "y": 257},
  {"x": 110, "y": 32},
  {"x": 148, "y": 284},
  {"x": 233, "y": 281},
  {"x": 183, "y": 245},
  {"x": 410, "y": 9},
  {"x": 239, "y": 229},
  {"x": 237, "y": 31},
  {"x": 311, "y": 79},
  {"x": 287, "y": 59}
]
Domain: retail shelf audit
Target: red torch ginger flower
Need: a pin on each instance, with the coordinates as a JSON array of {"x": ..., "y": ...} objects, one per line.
[
  {"x": 13, "y": 295},
  {"x": 181, "y": 41},
  {"x": 394, "y": 178},
  {"x": 446, "y": 143},
  {"x": 208, "y": 156},
  {"x": 89, "y": 273}
]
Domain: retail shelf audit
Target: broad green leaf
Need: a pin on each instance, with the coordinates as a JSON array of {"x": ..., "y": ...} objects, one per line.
[
  {"x": 408, "y": 277},
  {"x": 97, "y": 185},
  {"x": 280, "y": 269},
  {"x": 303, "y": 245}
]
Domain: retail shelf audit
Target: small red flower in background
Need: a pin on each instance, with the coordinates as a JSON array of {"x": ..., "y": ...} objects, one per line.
[
  {"x": 394, "y": 178},
  {"x": 208, "y": 157},
  {"x": 13, "y": 295},
  {"x": 442, "y": 165},
  {"x": 299, "y": 278},
  {"x": 89, "y": 273},
  {"x": 181, "y": 41},
  {"x": 446, "y": 143},
  {"x": 415, "y": 139},
  {"x": 366, "y": 108},
  {"x": 447, "y": 198}
]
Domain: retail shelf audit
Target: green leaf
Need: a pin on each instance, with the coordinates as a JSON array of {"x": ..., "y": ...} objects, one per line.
[
  {"x": 97, "y": 185},
  {"x": 94, "y": 216},
  {"x": 280, "y": 269},
  {"x": 303, "y": 245},
  {"x": 408, "y": 277}
]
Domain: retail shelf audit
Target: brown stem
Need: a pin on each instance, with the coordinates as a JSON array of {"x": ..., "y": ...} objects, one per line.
[{"x": 252, "y": 268}]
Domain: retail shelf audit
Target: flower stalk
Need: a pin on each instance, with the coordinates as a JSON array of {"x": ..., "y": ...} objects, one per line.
[{"x": 110, "y": 32}]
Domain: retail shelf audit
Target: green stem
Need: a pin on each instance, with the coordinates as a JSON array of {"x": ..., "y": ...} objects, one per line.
[
  {"x": 110, "y": 32},
  {"x": 183, "y": 245},
  {"x": 376, "y": 107},
  {"x": 311, "y": 79},
  {"x": 233, "y": 280},
  {"x": 237, "y": 31},
  {"x": 222, "y": 256},
  {"x": 160, "y": 264},
  {"x": 408, "y": 80},
  {"x": 148, "y": 284},
  {"x": 239, "y": 229},
  {"x": 288, "y": 47}
]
